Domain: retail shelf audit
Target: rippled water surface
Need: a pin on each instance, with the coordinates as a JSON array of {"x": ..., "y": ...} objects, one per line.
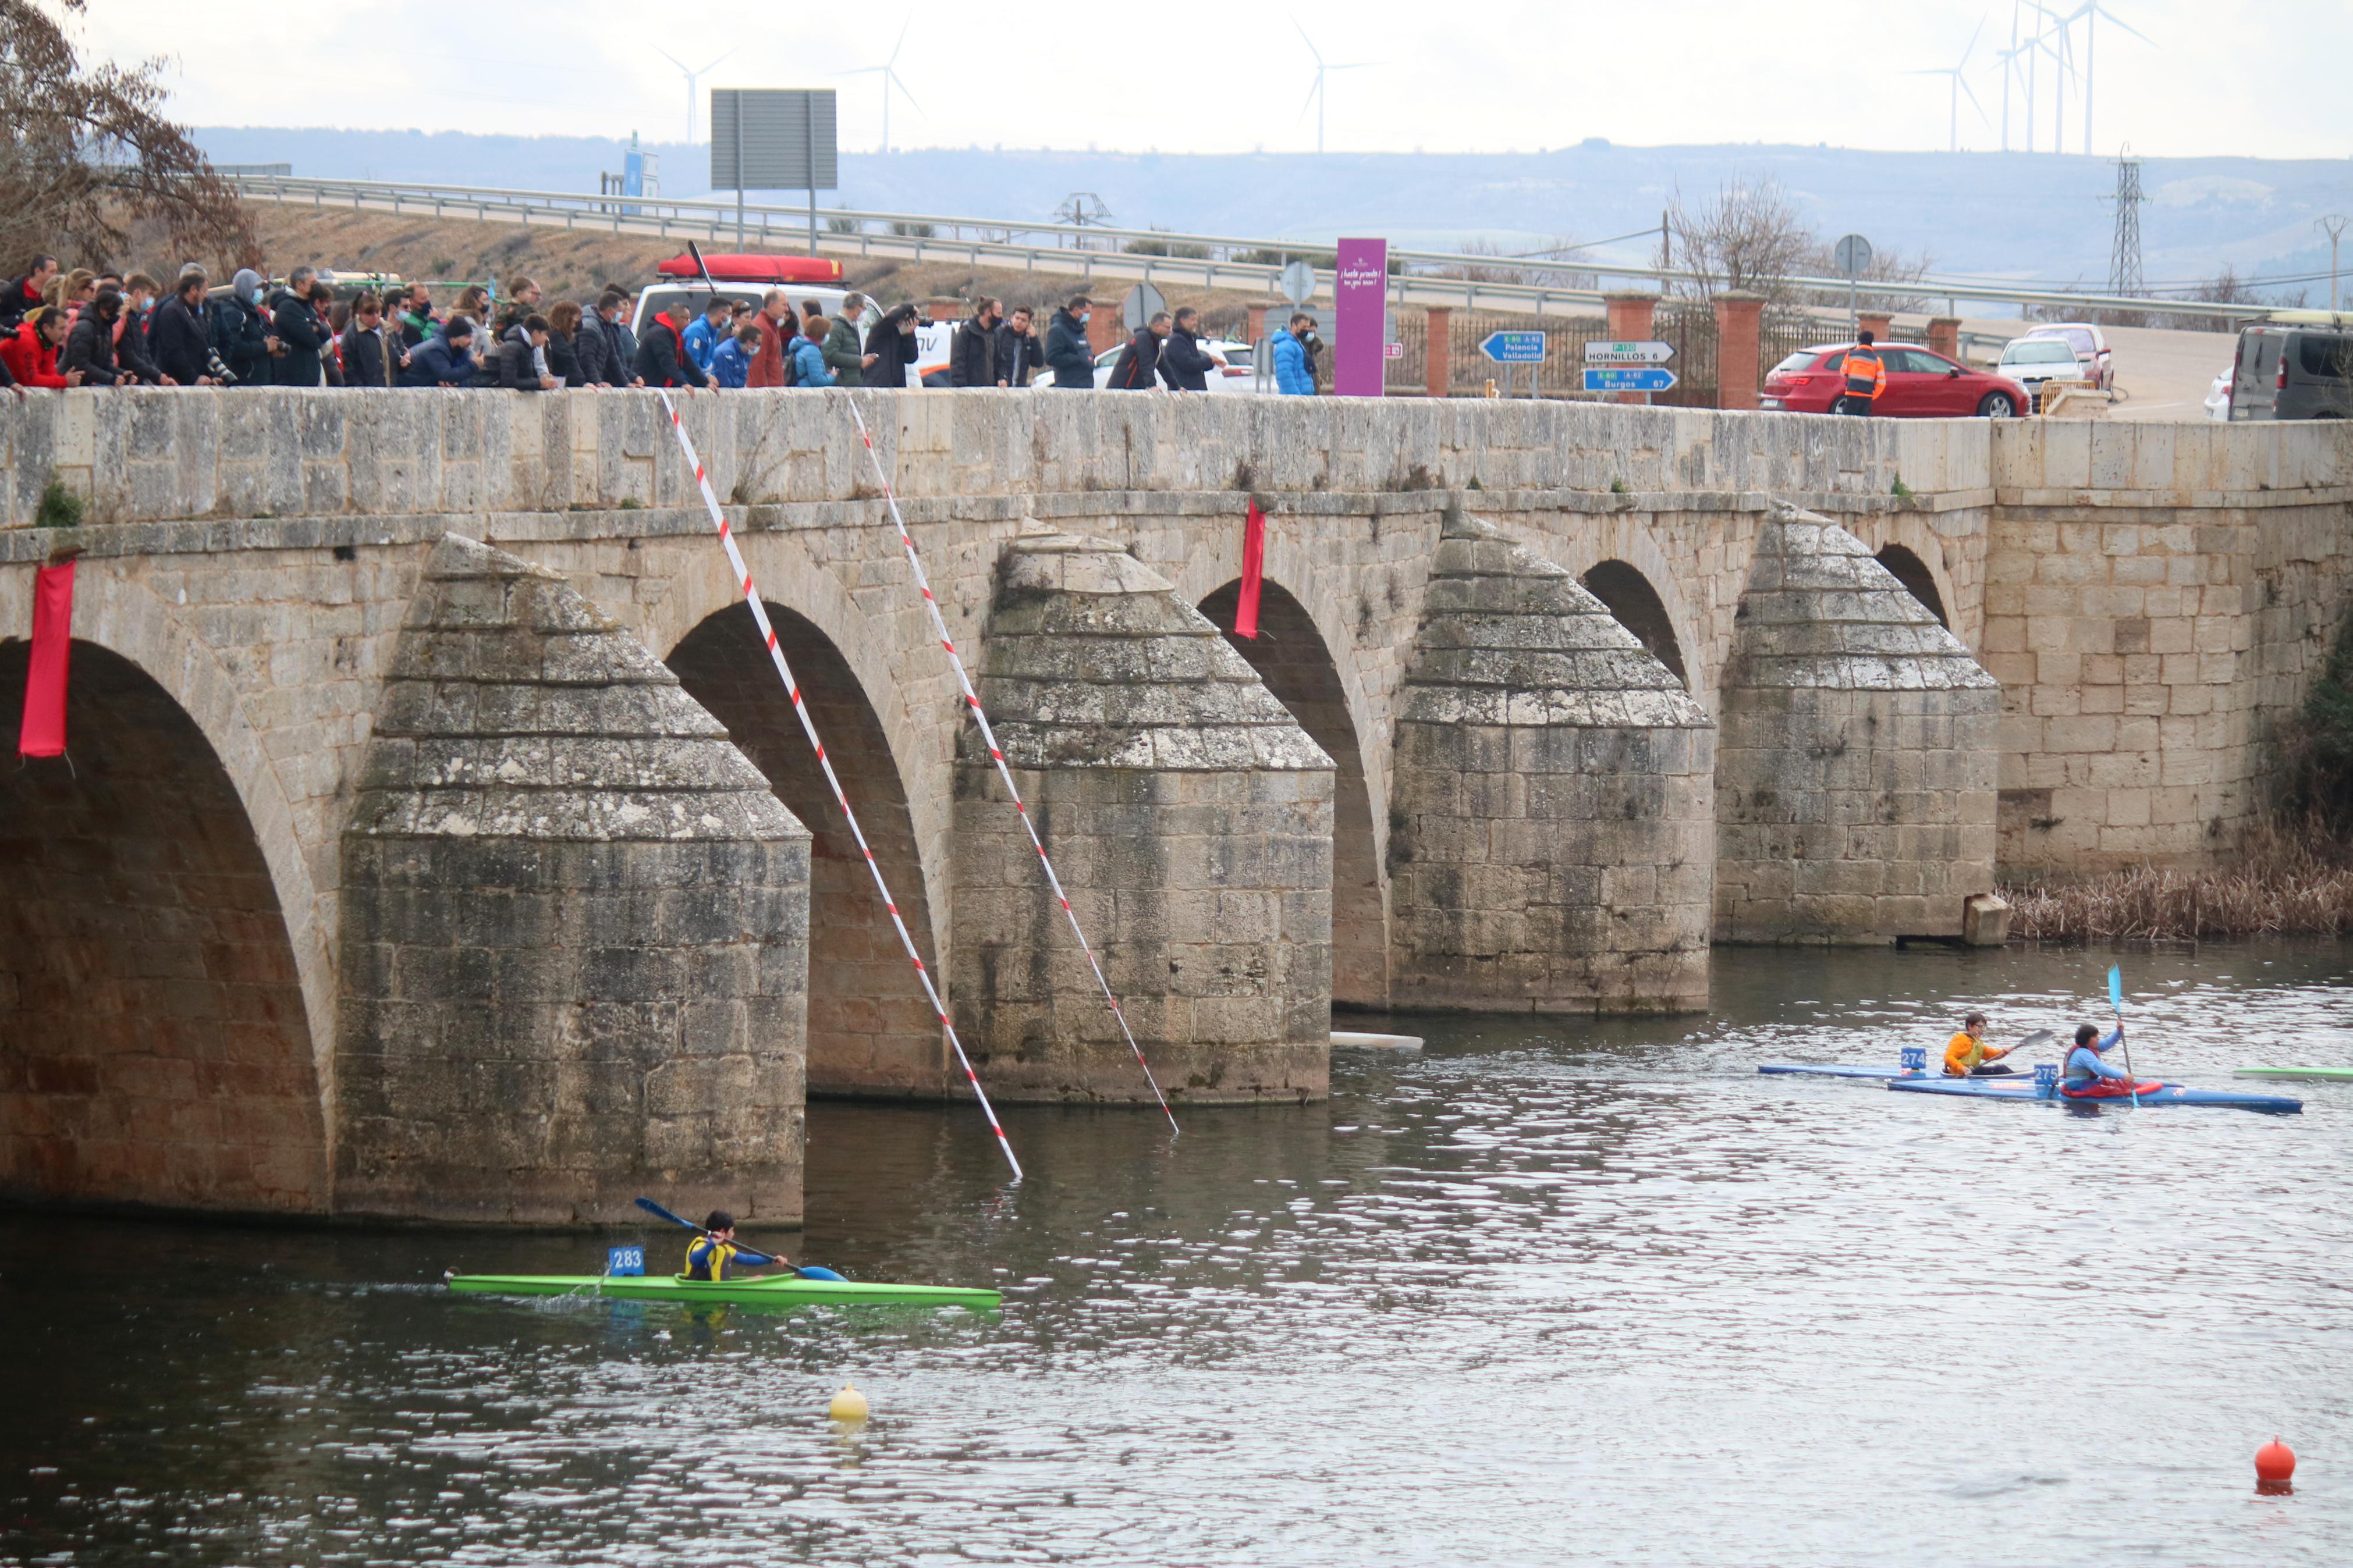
[{"x": 1575, "y": 1291}]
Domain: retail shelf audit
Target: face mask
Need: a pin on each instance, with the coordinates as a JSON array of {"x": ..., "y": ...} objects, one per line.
[
  {"x": 1085, "y": 316},
  {"x": 255, "y": 296}
]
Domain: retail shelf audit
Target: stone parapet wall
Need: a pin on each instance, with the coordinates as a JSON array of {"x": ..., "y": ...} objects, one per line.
[{"x": 162, "y": 453}]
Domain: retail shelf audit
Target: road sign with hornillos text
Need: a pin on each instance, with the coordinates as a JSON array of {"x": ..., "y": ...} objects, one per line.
[
  {"x": 1514, "y": 347},
  {"x": 1601, "y": 353},
  {"x": 1641, "y": 378}
]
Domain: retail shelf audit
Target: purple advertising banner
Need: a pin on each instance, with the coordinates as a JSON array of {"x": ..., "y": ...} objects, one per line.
[{"x": 1360, "y": 284}]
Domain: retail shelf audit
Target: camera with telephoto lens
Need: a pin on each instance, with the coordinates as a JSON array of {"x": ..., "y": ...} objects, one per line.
[{"x": 217, "y": 368}]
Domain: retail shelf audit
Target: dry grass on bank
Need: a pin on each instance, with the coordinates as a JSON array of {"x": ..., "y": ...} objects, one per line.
[{"x": 2282, "y": 883}]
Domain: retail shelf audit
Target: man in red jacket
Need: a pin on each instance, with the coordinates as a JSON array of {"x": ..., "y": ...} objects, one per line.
[
  {"x": 768, "y": 362},
  {"x": 22, "y": 295}
]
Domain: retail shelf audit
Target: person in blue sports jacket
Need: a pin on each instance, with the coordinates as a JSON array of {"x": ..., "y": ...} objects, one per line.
[{"x": 1294, "y": 375}]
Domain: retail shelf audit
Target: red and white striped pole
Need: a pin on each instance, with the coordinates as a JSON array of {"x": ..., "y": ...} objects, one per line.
[
  {"x": 972, "y": 700},
  {"x": 809, "y": 726}
]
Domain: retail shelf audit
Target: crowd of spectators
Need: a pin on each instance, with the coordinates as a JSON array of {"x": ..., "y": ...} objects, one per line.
[{"x": 62, "y": 328}]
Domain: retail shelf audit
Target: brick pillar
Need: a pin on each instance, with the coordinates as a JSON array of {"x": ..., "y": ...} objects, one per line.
[
  {"x": 1739, "y": 320},
  {"x": 1438, "y": 368},
  {"x": 1631, "y": 316},
  {"x": 1878, "y": 323},
  {"x": 1258, "y": 322},
  {"x": 1103, "y": 331},
  {"x": 947, "y": 309},
  {"x": 1945, "y": 336}
]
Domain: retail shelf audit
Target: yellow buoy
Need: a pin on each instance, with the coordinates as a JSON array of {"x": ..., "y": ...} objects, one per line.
[{"x": 849, "y": 1405}]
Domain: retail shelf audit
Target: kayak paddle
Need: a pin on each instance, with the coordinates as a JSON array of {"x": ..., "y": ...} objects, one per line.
[
  {"x": 2117, "y": 1000},
  {"x": 745, "y": 1253}
]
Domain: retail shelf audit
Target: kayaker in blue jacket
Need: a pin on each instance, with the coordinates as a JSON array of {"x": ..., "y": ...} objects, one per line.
[
  {"x": 713, "y": 1255},
  {"x": 2085, "y": 1069}
]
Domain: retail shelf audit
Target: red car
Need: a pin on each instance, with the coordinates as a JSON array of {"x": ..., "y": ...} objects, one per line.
[{"x": 1920, "y": 385}]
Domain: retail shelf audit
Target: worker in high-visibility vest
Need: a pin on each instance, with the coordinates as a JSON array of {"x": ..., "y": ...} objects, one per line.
[{"x": 1866, "y": 376}]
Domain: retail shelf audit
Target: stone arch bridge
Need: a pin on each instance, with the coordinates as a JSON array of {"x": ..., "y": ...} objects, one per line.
[{"x": 438, "y": 843}]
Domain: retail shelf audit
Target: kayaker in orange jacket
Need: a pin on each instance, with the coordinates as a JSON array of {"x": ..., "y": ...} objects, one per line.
[{"x": 1966, "y": 1054}]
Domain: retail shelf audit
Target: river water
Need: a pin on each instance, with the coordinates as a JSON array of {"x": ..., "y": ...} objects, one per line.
[{"x": 1570, "y": 1291}]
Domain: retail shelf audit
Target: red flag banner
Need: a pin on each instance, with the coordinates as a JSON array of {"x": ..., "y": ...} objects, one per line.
[
  {"x": 44, "y": 734},
  {"x": 1254, "y": 572}
]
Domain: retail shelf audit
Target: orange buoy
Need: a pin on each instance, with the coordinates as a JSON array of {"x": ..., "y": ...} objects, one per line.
[{"x": 2275, "y": 1466}]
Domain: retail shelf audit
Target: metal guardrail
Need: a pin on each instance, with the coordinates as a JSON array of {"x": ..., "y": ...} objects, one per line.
[{"x": 1070, "y": 249}]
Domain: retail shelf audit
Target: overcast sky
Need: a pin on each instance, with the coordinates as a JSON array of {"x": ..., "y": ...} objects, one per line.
[{"x": 2267, "y": 78}]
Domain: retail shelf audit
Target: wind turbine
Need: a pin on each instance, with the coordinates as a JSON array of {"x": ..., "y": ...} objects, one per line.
[
  {"x": 691, "y": 77},
  {"x": 889, "y": 71},
  {"x": 2091, "y": 11},
  {"x": 1316, "y": 93},
  {"x": 1959, "y": 87}
]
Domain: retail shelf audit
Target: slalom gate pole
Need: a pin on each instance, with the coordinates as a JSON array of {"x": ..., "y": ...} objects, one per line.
[
  {"x": 996, "y": 753},
  {"x": 809, "y": 727}
]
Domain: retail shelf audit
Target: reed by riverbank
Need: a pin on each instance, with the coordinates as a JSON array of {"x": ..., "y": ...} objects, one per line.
[{"x": 2281, "y": 883}]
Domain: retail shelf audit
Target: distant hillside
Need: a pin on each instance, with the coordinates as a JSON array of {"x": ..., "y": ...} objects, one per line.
[{"x": 2006, "y": 215}]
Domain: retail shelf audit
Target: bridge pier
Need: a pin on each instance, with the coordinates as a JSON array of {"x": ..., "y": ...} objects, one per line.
[
  {"x": 1190, "y": 819},
  {"x": 1552, "y": 799},
  {"x": 575, "y": 930},
  {"x": 1855, "y": 772}
]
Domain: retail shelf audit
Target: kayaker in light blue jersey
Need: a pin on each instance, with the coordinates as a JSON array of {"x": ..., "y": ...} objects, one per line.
[{"x": 2084, "y": 1064}]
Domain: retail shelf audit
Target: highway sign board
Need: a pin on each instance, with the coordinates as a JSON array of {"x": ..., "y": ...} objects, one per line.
[
  {"x": 1514, "y": 348},
  {"x": 1143, "y": 303},
  {"x": 1853, "y": 256},
  {"x": 1643, "y": 378},
  {"x": 1599, "y": 353},
  {"x": 1299, "y": 283}
]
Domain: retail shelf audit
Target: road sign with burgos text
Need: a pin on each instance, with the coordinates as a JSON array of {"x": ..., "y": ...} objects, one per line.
[
  {"x": 1644, "y": 378},
  {"x": 1598, "y": 352},
  {"x": 1514, "y": 347}
]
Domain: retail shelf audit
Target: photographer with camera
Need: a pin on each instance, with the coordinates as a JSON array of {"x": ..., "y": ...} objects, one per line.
[
  {"x": 240, "y": 331},
  {"x": 177, "y": 340}
]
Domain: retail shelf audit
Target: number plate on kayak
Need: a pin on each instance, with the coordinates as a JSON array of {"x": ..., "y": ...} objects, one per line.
[{"x": 626, "y": 1262}]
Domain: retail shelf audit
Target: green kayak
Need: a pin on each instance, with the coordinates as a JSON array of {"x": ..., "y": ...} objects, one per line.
[
  {"x": 2310, "y": 1075},
  {"x": 770, "y": 1291}
]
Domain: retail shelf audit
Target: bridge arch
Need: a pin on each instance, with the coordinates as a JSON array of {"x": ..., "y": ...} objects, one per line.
[
  {"x": 1920, "y": 558},
  {"x": 1583, "y": 544},
  {"x": 164, "y": 1001},
  {"x": 1296, "y": 664},
  {"x": 870, "y": 1031},
  {"x": 1638, "y": 607}
]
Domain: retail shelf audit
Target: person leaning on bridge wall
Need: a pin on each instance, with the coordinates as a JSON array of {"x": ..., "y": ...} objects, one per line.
[
  {"x": 1068, "y": 355},
  {"x": 176, "y": 338},
  {"x": 808, "y": 354},
  {"x": 732, "y": 365},
  {"x": 523, "y": 300}
]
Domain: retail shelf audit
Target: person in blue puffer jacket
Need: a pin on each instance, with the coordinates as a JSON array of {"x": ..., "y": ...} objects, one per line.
[
  {"x": 808, "y": 354},
  {"x": 1292, "y": 376}
]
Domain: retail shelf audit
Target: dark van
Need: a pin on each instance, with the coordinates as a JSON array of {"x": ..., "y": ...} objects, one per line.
[{"x": 2293, "y": 372}]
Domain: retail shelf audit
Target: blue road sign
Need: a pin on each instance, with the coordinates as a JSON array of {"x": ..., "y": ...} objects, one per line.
[
  {"x": 1649, "y": 378},
  {"x": 1514, "y": 348}
]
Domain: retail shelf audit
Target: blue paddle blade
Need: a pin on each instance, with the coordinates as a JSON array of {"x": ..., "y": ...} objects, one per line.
[
  {"x": 816, "y": 1273},
  {"x": 2116, "y": 988}
]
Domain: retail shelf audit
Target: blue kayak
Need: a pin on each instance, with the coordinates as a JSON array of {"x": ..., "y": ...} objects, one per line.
[
  {"x": 1810, "y": 1070},
  {"x": 2028, "y": 1090}
]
